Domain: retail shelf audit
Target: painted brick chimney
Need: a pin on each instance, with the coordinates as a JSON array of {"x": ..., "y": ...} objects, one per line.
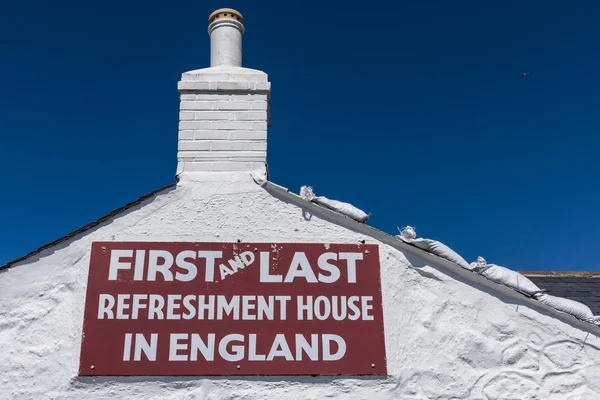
[{"x": 224, "y": 109}]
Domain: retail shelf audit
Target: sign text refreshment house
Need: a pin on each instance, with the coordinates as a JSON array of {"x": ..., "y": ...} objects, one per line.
[{"x": 166, "y": 308}]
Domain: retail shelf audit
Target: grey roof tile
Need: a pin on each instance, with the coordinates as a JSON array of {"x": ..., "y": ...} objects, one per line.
[{"x": 577, "y": 286}]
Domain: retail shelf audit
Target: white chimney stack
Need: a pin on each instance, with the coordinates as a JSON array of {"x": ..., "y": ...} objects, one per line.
[{"x": 224, "y": 109}]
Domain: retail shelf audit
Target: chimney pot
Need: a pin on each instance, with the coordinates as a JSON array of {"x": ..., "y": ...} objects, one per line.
[{"x": 226, "y": 28}]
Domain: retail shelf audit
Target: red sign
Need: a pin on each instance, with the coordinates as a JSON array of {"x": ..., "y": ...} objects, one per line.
[{"x": 233, "y": 309}]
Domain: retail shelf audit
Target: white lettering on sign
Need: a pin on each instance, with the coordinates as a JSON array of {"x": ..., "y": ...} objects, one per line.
[
  {"x": 237, "y": 308},
  {"x": 237, "y": 350},
  {"x": 252, "y": 354},
  {"x": 122, "y": 306},
  {"x": 211, "y": 257},
  {"x": 116, "y": 264},
  {"x": 138, "y": 271},
  {"x": 265, "y": 275},
  {"x": 337, "y": 307},
  {"x": 105, "y": 304},
  {"x": 351, "y": 259},
  {"x": 325, "y": 265},
  {"x": 311, "y": 350},
  {"x": 327, "y": 353},
  {"x": 138, "y": 305},
  {"x": 300, "y": 268},
  {"x": 140, "y": 346},
  {"x": 236, "y": 347},
  {"x": 238, "y": 263},
  {"x": 191, "y": 270},
  {"x": 178, "y": 344},
  {"x": 206, "y": 348},
  {"x": 161, "y": 262}
]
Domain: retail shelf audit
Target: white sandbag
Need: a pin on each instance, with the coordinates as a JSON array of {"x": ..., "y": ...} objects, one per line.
[
  {"x": 259, "y": 176},
  {"x": 306, "y": 192},
  {"x": 343, "y": 208},
  {"x": 506, "y": 277},
  {"x": 575, "y": 308},
  {"x": 409, "y": 235},
  {"x": 346, "y": 209},
  {"x": 479, "y": 265}
]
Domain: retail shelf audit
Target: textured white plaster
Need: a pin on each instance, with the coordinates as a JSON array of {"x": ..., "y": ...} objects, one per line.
[{"x": 447, "y": 336}]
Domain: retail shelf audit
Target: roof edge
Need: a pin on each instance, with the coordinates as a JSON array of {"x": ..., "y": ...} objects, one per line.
[
  {"x": 87, "y": 227},
  {"x": 587, "y": 274},
  {"x": 342, "y": 220},
  {"x": 469, "y": 277}
]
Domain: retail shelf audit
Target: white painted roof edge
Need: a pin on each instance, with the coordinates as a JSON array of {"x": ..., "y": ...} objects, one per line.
[
  {"x": 470, "y": 277},
  {"x": 78, "y": 233}
]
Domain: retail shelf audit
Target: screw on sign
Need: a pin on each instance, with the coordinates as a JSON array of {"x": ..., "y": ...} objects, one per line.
[{"x": 233, "y": 309}]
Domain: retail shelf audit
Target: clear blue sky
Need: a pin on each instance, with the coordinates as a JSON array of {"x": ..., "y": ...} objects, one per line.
[{"x": 413, "y": 111}]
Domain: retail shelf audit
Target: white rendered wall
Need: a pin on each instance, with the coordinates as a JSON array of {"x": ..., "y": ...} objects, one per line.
[{"x": 446, "y": 338}]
